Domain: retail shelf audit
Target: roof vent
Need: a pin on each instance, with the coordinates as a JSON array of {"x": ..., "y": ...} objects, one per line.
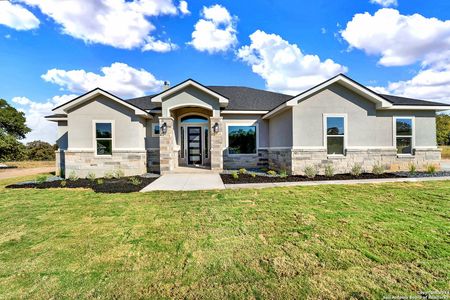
[{"x": 166, "y": 85}]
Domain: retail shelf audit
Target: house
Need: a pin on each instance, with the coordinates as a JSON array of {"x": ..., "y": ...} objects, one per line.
[{"x": 338, "y": 122}]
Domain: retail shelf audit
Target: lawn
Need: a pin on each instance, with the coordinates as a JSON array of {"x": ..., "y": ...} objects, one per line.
[
  {"x": 325, "y": 242},
  {"x": 445, "y": 152}
]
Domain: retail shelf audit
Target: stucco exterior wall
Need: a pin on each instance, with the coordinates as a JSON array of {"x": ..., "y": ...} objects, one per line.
[
  {"x": 129, "y": 130},
  {"x": 280, "y": 130},
  {"x": 190, "y": 96},
  {"x": 367, "y": 127}
]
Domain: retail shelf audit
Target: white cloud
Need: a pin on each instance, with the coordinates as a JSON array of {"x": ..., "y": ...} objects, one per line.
[
  {"x": 119, "y": 79},
  {"x": 183, "y": 7},
  {"x": 158, "y": 46},
  {"x": 431, "y": 83},
  {"x": 17, "y": 17},
  {"x": 41, "y": 129},
  {"x": 118, "y": 23},
  {"x": 400, "y": 40},
  {"x": 216, "y": 31},
  {"x": 385, "y": 3},
  {"x": 283, "y": 65}
]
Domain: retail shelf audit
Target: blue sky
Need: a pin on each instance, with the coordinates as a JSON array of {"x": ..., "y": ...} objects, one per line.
[{"x": 398, "y": 47}]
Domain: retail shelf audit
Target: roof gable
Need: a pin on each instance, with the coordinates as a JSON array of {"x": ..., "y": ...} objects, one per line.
[
  {"x": 64, "y": 108},
  {"x": 159, "y": 97}
]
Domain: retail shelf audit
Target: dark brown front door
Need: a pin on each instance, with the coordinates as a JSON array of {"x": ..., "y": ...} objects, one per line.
[{"x": 194, "y": 137}]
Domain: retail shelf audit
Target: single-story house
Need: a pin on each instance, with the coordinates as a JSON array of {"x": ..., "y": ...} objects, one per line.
[{"x": 338, "y": 122}]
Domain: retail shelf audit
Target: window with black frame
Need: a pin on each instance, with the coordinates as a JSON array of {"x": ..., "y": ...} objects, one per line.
[
  {"x": 103, "y": 138},
  {"x": 335, "y": 135},
  {"x": 404, "y": 135},
  {"x": 242, "y": 139}
]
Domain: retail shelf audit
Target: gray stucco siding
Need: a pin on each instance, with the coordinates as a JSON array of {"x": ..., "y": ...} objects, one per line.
[
  {"x": 366, "y": 126},
  {"x": 280, "y": 130},
  {"x": 190, "y": 96},
  {"x": 128, "y": 129},
  {"x": 62, "y": 135}
]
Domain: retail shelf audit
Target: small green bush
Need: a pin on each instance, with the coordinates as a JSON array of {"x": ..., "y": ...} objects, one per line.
[
  {"x": 272, "y": 173},
  {"x": 63, "y": 183},
  {"x": 412, "y": 168},
  {"x": 310, "y": 171},
  {"x": 72, "y": 176},
  {"x": 329, "y": 170},
  {"x": 283, "y": 174},
  {"x": 242, "y": 171},
  {"x": 100, "y": 181},
  {"x": 41, "y": 179},
  {"x": 431, "y": 169},
  {"x": 356, "y": 170},
  {"x": 135, "y": 181},
  {"x": 378, "y": 169},
  {"x": 118, "y": 174},
  {"x": 235, "y": 175},
  {"x": 109, "y": 175},
  {"x": 91, "y": 176},
  {"x": 253, "y": 175}
]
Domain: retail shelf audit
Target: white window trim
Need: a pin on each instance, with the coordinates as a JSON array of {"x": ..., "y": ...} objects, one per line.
[
  {"x": 94, "y": 136},
  {"x": 325, "y": 135},
  {"x": 413, "y": 134},
  {"x": 153, "y": 130},
  {"x": 227, "y": 143}
]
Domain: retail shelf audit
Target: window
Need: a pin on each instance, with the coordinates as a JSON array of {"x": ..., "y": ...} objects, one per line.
[
  {"x": 155, "y": 129},
  {"x": 404, "y": 127},
  {"x": 103, "y": 138},
  {"x": 194, "y": 119},
  {"x": 335, "y": 134},
  {"x": 242, "y": 139},
  {"x": 182, "y": 142}
]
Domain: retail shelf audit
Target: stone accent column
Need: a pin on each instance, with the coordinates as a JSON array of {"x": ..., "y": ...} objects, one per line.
[
  {"x": 217, "y": 144},
  {"x": 167, "y": 157}
]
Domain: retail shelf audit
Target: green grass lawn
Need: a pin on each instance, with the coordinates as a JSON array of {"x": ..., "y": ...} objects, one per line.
[{"x": 325, "y": 242}]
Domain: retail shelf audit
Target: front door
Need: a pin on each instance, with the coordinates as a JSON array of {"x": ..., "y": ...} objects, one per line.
[{"x": 194, "y": 139}]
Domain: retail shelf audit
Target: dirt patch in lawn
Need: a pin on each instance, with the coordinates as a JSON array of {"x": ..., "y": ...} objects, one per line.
[
  {"x": 102, "y": 185},
  {"x": 247, "y": 178}
]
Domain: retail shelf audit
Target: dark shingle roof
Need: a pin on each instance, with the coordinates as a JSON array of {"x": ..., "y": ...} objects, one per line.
[
  {"x": 244, "y": 98},
  {"x": 396, "y": 100}
]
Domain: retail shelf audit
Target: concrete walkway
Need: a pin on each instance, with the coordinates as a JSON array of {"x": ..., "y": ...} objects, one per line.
[{"x": 186, "y": 182}]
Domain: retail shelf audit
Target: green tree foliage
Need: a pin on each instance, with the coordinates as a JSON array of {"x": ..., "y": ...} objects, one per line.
[
  {"x": 39, "y": 150},
  {"x": 12, "y": 128},
  {"x": 443, "y": 129}
]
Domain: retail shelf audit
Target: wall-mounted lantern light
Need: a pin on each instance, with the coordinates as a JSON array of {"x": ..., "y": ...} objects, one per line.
[
  {"x": 216, "y": 127},
  {"x": 164, "y": 128}
]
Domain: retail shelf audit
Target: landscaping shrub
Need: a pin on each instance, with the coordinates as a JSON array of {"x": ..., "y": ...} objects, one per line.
[
  {"x": 431, "y": 169},
  {"x": 41, "y": 178},
  {"x": 272, "y": 173},
  {"x": 100, "y": 181},
  {"x": 329, "y": 171},
  {"x": 72, "y": 176},
  {"x": 310, "y": 172},
  {"x": 118, "y": 174},
  {"x": 63, "y": 183},
  {"x": 253, "y": 175},
  {"x": 135, "y": 181},
  {"x": 109, "y": 175},
  {"x": 283, "y": 174},
  {"x": 356, "y": 170},
  {"x": 412, "y": 168},
  {"x": 242, "y": 171},
  {"x": 91, "y": 176},
  {"x": 378, "y": 169},
  {"x": 235, "y": 175}
]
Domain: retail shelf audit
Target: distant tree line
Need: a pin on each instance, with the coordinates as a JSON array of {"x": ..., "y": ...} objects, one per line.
[
  {"x": 443, "y": 130},
  {"x": 12, "y": 130}
]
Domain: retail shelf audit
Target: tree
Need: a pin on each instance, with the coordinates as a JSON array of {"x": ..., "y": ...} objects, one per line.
[
  {"x": 443, "y": 129},
  {"x": 12, "y": 128},
  {"x": 39, "y": 150}
]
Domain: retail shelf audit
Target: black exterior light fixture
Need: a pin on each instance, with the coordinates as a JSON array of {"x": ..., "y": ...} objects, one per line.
[
  {"x": 164, "y": 128},
  {"x": 216, "y": 127}
]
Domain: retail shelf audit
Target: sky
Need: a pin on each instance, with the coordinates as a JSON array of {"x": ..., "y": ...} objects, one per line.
[{"x": 53, "y": 50}]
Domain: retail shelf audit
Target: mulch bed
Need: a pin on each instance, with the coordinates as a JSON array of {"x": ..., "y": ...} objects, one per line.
[
  {"x": 120, "y": 185},
  {"x": 246, "y": 178}
]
